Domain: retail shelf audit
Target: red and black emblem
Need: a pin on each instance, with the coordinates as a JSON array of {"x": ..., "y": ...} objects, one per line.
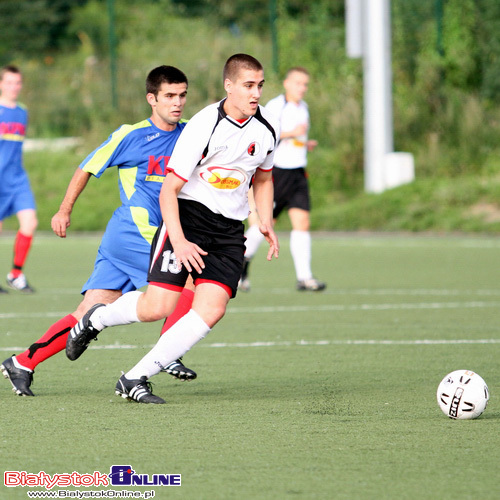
[{"x": 253, "y": 149}]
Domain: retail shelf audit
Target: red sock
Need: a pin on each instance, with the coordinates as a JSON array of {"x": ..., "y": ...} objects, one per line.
[
  {"x": 182, "y": 308},
  {"x": 21, "y": 248},
  {"x": 52, "y": 342}
]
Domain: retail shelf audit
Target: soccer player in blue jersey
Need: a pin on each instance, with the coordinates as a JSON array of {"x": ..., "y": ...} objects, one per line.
[
  {"x": 141, "y": 153},
  {"x": 16, "y": 196}
]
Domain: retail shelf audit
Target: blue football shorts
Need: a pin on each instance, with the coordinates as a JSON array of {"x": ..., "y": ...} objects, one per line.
[
  {"x": 113, "y": 274},
  {"x": 19, "y": 199}
]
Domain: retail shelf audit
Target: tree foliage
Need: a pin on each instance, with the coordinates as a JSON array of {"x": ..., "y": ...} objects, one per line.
[
  {"x": 32, "y": 27},
  {"x": 446, "y": 68}
]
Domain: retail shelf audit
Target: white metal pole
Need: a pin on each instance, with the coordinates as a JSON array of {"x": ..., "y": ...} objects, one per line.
[
  {"x": 378, "y": 128},
  {"x": 354, "y": 28}
]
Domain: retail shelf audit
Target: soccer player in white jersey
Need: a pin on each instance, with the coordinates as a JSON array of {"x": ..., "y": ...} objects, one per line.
[
  {"x": 204, "y": 201},
  {"x": 291, "y": 189}
]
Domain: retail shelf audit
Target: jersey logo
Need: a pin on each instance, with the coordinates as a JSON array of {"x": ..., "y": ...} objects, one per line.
[
  {"x": 12, "y": 128},
  {"x": 224, "y": 178},
  {"x": 298, "y": 144},
  {"x": 253, "y": 149},
  {"x": 149, "y": 138},
  {"x": 157, "y": 166}
]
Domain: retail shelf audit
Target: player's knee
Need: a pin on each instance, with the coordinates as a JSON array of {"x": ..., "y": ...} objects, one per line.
[
  {"x": 300, "y": 219},
  {"x": 28, "y": 225},
  {"x": 214, "y": 315},
  {"x": 219, "y": 312},
  {"x": 302, "y": 226},
  {"x": 153, "y": 312}
]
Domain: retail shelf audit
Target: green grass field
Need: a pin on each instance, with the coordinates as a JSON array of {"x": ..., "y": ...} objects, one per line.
[{"x": 299, "y": 396}]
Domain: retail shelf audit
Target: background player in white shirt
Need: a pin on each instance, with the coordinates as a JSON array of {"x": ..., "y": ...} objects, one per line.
[
  {"x": 291, "y": 189},
  {"x": 204, "y": 202}
]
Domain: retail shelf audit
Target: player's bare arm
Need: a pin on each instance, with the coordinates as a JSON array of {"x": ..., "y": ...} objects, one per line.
[
  {"x": 62, "y": 219},
  {"x": 296, "y": 132},
  {"x": 263, "y": 192},
  {"x": 187, "y": 253}
]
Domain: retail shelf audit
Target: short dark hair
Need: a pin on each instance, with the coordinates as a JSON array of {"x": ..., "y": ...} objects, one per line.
[
  {"x": 237, "y": 62},
  {"x": 296, "y": 69},
  {"x": 163, "y": 74},
  {"x": 9, "y": 68}
]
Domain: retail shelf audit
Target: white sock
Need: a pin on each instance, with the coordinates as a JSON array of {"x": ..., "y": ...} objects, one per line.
[
  {"x": 122, "y": 311},
  {"x": 173, "y": 344},
  {"x": 300, "y": 247},
  {"x": 254, "y": 239}
]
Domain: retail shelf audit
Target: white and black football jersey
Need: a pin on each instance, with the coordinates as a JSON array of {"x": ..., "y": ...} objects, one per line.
[
  {"x": 218, "y": 156},
  {"x": 292, "y": 151}
]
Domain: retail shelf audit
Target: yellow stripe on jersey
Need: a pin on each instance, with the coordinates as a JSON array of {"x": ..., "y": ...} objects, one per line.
[
  {"x": 127, "y": 178},
  {"x": 12, "y": 137},
  {"x": 103, "y": 154},
  {"x": 140, "y": 216},
  {"x": 155, "y": 178}
]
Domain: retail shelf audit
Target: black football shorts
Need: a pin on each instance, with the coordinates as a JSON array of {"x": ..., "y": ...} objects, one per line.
[
  {"x": 291, "y": 189},
  {"x": 221, "y": 237}
]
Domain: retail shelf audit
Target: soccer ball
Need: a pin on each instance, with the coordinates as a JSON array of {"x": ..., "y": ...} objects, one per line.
[{"x": 463, "y": 394}]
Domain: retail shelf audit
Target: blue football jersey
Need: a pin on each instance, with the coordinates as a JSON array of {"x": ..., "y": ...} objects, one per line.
[
  {"x": 13, "y": 123},
  {"x": 141, "y": 153}
]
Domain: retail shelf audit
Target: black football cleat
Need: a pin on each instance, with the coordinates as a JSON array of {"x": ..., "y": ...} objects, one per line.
[
  {"x": 20, "y": 283},
  {"x": 311, "y": 285},
  {"x": 178, "y": 370},
  {"x": 137, "y": 390},
  {"x": 19, "y": 378},
  {"x": 81, "y": 335}
]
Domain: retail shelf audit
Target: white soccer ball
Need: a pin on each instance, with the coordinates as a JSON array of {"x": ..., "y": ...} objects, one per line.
[{"x": 463, "y": 394}]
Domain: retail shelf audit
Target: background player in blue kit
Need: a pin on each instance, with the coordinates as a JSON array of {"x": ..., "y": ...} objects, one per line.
[
  {"x": 16, "y": 196},
  {"x": 141, "y": 153},
  {"x": 204, "y": 202}
]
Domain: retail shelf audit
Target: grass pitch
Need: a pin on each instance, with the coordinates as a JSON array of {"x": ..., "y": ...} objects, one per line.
[{"x": 299, "y": 395}]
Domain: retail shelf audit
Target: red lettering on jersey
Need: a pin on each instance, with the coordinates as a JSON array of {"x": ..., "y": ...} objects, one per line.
[
  {"x": 12, "y": 128},
  {"x": 19, "y": 128},
  {"x": 155, "y": 167}
]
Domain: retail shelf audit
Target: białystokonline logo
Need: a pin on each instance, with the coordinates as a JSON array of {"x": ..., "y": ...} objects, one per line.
[
  {"x": 124, "y": 475},
  {"x": 120, "y": 475}
]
